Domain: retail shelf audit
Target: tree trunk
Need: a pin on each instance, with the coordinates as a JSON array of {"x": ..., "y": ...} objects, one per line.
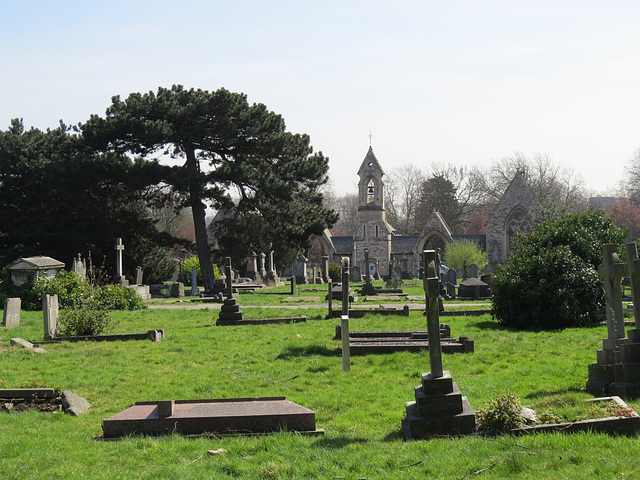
[{"x": 199, "y": 220}]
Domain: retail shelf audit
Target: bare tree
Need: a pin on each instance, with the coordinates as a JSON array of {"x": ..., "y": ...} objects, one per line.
[
  {"x": 402, "y": 197},
  {"x": 552, "y": 183},
  {"x": 347, "y": 208},
  {"x": 631, "y": 183}
]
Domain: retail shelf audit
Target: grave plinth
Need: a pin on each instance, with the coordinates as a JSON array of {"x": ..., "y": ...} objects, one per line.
[{"x": 218, "y": 417}]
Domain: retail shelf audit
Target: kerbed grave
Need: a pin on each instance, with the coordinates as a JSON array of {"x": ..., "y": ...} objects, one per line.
[{"x": 389, "y": 341}]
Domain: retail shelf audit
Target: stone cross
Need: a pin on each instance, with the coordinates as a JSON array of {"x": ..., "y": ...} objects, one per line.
[
  {"x": 344, "y": 319},
  {"x": 612, "y": 270},
  {"x": 633, "y": 272},
  {"x": 366, "y": 265},
  {"x": 261, "y": 270},
  {"x": 432, "y": 292},
  {"x": 119, "y": 248},
  {"x": 229, "y": 274}
]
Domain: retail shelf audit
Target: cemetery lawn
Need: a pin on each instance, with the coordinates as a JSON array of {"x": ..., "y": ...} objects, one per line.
[{"x": 360, "y": 411}]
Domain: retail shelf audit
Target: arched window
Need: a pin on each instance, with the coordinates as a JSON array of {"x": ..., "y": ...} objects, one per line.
[
  {"x": 517, "y": 222},
  {"x": 371, "y": 191}
]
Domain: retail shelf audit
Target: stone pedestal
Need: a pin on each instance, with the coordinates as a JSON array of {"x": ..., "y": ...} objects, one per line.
[
  {"x": 626, "y": 373},
  {"x": 229, "y": 312},
  {"x": 439, "y": 409}
]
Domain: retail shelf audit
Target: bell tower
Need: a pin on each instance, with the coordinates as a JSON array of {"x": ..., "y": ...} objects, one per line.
[{"x": 373, "y": 232}]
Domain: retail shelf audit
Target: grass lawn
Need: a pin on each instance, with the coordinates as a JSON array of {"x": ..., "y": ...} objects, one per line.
[{"x": 360, "y": 411}]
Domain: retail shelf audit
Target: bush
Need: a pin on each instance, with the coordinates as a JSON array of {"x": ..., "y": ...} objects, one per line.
[
  {"x": 500, "y": 415},
  {"x": 119, "y": 297},
  {"x": 90, "y": 318},
  {"x": 464, "y": 252},
  {"x": 71, "y": 290},
  {"x": 335, "y": 272},
  {"x": 552, "y": 281},
  {"x": 191, "y": 262}
]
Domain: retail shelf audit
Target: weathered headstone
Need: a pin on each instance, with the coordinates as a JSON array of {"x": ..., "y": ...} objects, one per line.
[
  {"x": 325, "y": 271},
  {"x": 194, "y": 281},
  {"x": 452, "y": 281},
  {"x": 367, "y": 288},
  {"x": 473, "y": 270},
  {"x": 293, "y": 285},
  {"x": 50, "y": 316},
  {"x": 138, "y": 275},
  {"x": 11, "y": 316},
  {"x": 79, "y": 267},
  {"x": 177, "y": 290}
]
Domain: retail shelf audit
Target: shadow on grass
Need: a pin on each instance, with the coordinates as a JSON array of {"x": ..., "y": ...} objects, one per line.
[
  {"x": 545, "y": 394},
  {"x": 307, "y": 351},
  {"x": 394, "y": 436},
  {"x": 337, "y": 442}
]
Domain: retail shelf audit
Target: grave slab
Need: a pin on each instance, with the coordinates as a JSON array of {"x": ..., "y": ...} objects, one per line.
[{"x": 215, "y": 416}]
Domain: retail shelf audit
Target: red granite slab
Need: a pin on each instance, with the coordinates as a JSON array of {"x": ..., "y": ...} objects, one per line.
[{"x": 217, "y": 416}]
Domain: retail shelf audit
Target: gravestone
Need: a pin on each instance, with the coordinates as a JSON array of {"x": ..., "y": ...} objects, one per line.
[
  {"x": 230, "y": 310},
  {"x": 261, "y": 269},
  {"x": 601, "y": 373},
  {"x": 11, "y": 316},
  {"x": 177, "y": 290},
  {"x": 293, "y": 285},
  {"x": 119, "y": 278},
  {"x": 439, "y": 407},
  {"x": 138, "y": 275},
  {"x": 473, "y": 270},
  {"x": 452, "y": 281},
  {"x": 325, "y": 269},
  {"x": 367, "y": 288},
  {"x": 627, "y": 373},
  {"x": 356, "y": 274},
  {"x": 50, "y": 316},
  {"x": 194, "y": 282},
  {"x": 344, "y": 319},
  {"x": 252, "y": 267},
  {"x": 79, "y": 267},
  {"x": 217, "y": 416}
]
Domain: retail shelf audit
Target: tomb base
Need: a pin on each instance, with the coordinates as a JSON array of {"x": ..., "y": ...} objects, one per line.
[
  {"x": 439, "y": 409},
  {"x": 229, "y": 312}
]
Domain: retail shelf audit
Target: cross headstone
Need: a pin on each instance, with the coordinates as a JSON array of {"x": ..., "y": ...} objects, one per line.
[
  {"x": 633, "y": 272},
  {"x": 261, "y": 269},
  {"x": 432, "y": 292},
  {"x": 50, "y": 316},
  {"x": 119, "y": 278},
  {"x": 344, "y": 319},
  {"x": 229, "y": 279},
  {"x": 11, "y": 316},
  {"x": 612, "y": 270}
]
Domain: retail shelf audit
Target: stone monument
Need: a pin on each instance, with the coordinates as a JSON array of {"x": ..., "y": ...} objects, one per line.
[
  {"x": 439, "y": 407},
  {"x": 230, "y": 310},
  {"x": 11, "y": 315}
]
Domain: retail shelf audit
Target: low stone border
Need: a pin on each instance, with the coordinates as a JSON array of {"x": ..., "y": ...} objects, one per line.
[
  {"x": 153, "y": 335},
  {"x": 260, "y": 321},
  {"x": 23, "y": 399},
  {"x": 611, "y": 425},
  {"x": 27, "y": 345}
]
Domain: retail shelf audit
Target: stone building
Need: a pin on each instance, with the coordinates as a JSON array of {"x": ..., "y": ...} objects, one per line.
[{"x": 390, "y": 251}]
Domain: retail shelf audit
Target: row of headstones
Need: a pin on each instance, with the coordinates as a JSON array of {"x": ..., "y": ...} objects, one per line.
[{"x": 50, "y": 311}]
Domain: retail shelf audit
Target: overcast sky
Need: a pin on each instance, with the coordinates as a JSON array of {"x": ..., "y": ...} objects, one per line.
[{"x": 461, "y": 82}]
